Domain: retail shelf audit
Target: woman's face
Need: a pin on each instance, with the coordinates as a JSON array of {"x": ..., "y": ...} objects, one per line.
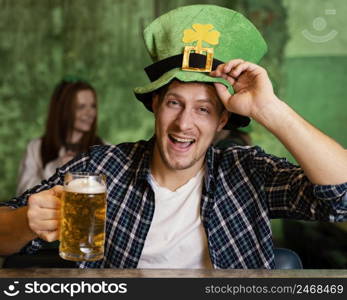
[{"x": 85, "y": 111}]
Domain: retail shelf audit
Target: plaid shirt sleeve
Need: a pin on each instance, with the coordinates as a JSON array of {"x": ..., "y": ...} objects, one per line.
[
  {"x": 290, "y": 194},
  {"x": 78, "y": 164}
]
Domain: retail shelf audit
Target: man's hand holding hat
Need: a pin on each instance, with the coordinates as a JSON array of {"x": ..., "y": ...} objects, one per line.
[
  {"x": 254, "y": 97},
  {"x": 252, "y": 86}
]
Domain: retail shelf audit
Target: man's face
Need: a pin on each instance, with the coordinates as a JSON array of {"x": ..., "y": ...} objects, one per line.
[{"x": 186, "y": 120}]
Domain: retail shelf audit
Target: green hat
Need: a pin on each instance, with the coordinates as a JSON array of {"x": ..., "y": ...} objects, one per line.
[{"x": 188, "y": 42}]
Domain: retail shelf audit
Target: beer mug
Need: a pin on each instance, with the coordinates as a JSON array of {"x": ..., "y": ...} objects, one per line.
[{"x": 83, "y": 213}]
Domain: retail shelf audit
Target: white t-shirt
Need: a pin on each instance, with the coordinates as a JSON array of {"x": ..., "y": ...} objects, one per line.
[{"x": 177, "y": 238}]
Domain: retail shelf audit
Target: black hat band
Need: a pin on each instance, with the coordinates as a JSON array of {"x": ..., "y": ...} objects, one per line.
[{"x": 157, "y": 69}]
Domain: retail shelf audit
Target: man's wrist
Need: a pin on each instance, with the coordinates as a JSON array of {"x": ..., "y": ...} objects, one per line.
[
  {"x": 273, "y": 114},
  {"x": 29, "y": 233}
]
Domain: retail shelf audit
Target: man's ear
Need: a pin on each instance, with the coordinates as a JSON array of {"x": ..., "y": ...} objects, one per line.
[
  {"x": 155, "y": 102},
  {"x": 223, "y": 120}
]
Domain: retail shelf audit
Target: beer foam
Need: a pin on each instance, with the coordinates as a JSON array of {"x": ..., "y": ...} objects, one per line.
[{"x": 85, "y": 186}]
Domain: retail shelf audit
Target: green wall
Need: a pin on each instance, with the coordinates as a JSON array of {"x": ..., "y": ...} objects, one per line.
[
  {"x": 316, "y": 67},
  {"x": 314, "y": 76}
]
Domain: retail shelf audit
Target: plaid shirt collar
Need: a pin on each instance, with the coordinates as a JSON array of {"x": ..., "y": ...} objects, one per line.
[{"x": 144, "y": 170}]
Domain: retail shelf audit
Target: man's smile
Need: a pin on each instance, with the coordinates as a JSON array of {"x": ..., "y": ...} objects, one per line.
[{"x": 181, "y": 144}]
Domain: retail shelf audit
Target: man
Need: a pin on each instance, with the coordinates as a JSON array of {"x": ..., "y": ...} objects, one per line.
[{"x": 175, "y": 201}]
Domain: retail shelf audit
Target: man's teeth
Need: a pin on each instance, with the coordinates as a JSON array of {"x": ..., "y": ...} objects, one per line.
[{"x": 181, "y": 140}]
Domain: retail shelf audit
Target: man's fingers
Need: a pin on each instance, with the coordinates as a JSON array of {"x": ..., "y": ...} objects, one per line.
[
  {"x": 222, "y": 92},
  {"x": 38, "y": 222},
  {"x": 49, "y": 214},
  {"x": 43, "y": 214},
  {"x": 233, "y": 69},
  {"x": 43, "y": 218},
  {"x": 52, "y": 236},
  {"x": 51, "y": 225},
  {"x": 44, "y": 211},
  {"x": 47, "y": 230},
  {"x": 226, "y": 68},
  {"x": 232, "y": 64},
  {"x": 43, "y": 202},
  {"x": 219, "y": 72},
  {"x": 57, "y": 190},
  {"x": 49, "y": 236},
  {"x": 47, "y": 199},
  {"x": 245, "y": 66}
]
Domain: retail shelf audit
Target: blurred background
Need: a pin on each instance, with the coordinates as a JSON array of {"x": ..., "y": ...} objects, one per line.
[{"x": 41, "y": 41}]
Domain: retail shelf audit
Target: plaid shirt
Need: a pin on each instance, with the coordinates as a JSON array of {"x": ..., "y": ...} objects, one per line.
[{"x": 243, "y": 188}]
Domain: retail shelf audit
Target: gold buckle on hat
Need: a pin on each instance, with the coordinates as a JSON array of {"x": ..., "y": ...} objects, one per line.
[{"x": 191, "y": 49}]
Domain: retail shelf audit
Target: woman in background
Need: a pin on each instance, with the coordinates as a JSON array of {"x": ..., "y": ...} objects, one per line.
[{"x": 70, "y": 130}]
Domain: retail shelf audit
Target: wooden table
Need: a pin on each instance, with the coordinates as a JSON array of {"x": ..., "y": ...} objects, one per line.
[{"x": 172, "y": 273}]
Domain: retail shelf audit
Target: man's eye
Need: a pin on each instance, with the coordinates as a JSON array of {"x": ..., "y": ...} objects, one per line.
[
  {"x": 172, "y": 102},
  {"x": 204, "y": 110}
]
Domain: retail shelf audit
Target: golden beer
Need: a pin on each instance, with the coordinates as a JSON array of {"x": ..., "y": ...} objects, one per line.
[{"x": 82, "y": 231}]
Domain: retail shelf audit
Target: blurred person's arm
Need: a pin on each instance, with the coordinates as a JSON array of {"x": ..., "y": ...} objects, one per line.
[
  {"x": 323, "y": 160},
  {"x": 30, "y": 169}
]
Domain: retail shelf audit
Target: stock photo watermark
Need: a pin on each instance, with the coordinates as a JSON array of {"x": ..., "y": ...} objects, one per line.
[
  {"x": 70, "y": 289},
  {"x": 320, "y": 24}
]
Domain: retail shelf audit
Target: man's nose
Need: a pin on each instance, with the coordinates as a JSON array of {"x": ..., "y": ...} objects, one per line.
[{"x": 185, "y": 120}]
